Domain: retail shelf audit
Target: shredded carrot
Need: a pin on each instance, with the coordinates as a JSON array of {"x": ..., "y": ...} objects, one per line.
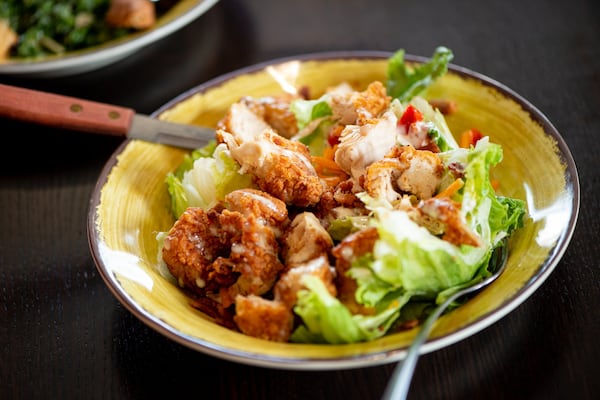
[
  {"x": 469, "y": 138},
  {"x": 451, "y": 189},
  {"x": 327, "y": 169},
  {"x": 329, "y": 152},
  {"x": 327, "y": 166},
  {"x": 332, "y": 181},
  {"x": 495, "y": 183}
]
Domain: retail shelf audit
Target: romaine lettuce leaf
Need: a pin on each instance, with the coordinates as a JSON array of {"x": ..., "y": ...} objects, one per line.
[
  {"x": 404, "y": 83},
  {"x": 205, "y": 178}
]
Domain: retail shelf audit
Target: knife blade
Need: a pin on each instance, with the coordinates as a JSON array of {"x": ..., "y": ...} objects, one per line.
[{"x": 77, "y": 114}]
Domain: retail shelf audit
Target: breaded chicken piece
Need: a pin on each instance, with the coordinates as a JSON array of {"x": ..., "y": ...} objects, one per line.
[
  {"x": 192, "y": 247},
  {"x": 248, "y": 202},
  {"x": 360, "y": 146},
  {"x": 279, "y": 166},
  {"x": 447, "y": 213},
  {"x": 305, "y": 240},
  {"x": 380, "y": 179},
  {"x": 423, "y": 174},
  {"x": 274, "y": 319},
  {"x": 254, "y": 255},
  {"x": 136, "y": 14},
  {"x": 228, "y": 252},
  {"x": 287, "y": 287},
  {"x": 262, "y": 318},
  {"x": 358, "y": 108},
  {"x": 353, "y": 246},
  {"x": 275, "y": 111},
  {"x": 241, "y": 122},
  {"x": 404, "y": 170}
]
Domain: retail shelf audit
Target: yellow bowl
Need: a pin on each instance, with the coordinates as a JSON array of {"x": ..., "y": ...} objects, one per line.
[
  {"x": 130, "y": 205},
  {"x": 93, "y": 57}
]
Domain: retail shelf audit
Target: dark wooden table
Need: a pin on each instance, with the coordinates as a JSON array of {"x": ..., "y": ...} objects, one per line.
[{"x": 63, "y": 335}]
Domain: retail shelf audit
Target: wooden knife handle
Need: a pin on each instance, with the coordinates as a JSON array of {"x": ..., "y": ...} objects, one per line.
[{"x": 63, "y": 111}]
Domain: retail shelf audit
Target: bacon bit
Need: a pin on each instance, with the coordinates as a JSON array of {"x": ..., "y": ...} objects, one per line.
[
  {"x": 451, "y": 189},
  {"x": 469, "y": 138},
  {"x": 445, "y": 106},
  {"x": 410, "y": 115}
]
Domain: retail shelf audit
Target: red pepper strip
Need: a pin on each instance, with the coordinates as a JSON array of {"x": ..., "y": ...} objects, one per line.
[
  {"x": 410, "y": 115},
  {"x": 469, "y": 138}
]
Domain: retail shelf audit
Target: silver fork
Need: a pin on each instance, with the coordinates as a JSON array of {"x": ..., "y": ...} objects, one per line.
[{"x": 397, "y": 388}]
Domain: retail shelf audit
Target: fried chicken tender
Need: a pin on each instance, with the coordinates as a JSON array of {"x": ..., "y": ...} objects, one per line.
[
  {"x": 194, "y": 249},
  {"x": 360, "y": 146},
  {"x": 447, "y": 213},
  {"x": 406, "y": 170},
  {"x": 243, "y": 123},
  {"x": 228, "y": 252},
  {"x": 263, "y": 318},
  {"x": 279, "y": 166},
  {"x": 349, "y": 249},
  {"x": 359, "y": 108},
  {"x": 274, "y": 319},
  {"x": 305, "y": 240},
  {"x": 306, "y": 247},
  {"x": 275, "y": 111}
]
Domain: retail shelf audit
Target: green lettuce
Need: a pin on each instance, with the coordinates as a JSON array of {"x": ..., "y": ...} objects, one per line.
[
  {"x": 403, "y": 82},
  {"x": 204, "y": 178}
]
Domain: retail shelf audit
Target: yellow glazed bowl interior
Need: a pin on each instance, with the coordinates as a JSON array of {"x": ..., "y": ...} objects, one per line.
[{"x": 131, "y": 205}]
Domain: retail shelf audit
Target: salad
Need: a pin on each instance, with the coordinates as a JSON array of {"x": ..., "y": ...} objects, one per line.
[
  {"x": 336, "y": 219},
  {"x": 37, "y": 28}
]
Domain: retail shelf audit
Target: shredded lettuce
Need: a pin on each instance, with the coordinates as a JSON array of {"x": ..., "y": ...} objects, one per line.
[
  {"x": 204, "y": 178},
  {"x": 307, "y": 111}
]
